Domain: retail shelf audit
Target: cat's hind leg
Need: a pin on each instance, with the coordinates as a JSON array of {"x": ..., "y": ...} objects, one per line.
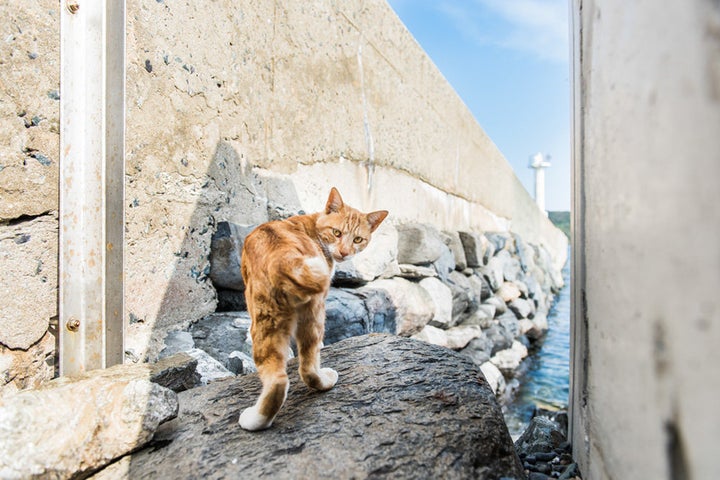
[
  {"x": 309, "y": 336},
  {"x": 270, "y": 349}
]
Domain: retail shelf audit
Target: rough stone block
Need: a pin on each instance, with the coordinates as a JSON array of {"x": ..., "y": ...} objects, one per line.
[
  {"x": 508, "y": 360},
  {"x": 522, "y": 308},
  {"x": 452, "y": 240},
  {"x": 445, "y": 263},
  {"x": 459, "y": 337},
  {"x": 414, "y": 307},
  {"x": 508, "y": 291},
  {"x": 494, "y": 377},
  {"x": 382, "y": 312},
  {"x": 208, "y": 367},
  {"x": 442, "y": 298},
  {"x": 433, "y": 335},
  {"x": 345, "y": 316},
  {"x": 493, "y": 273},
  {"x": 225, "y": 253},
  {"x": 465, "y": 299},
  {"x": 414, "y": 272},
  {"x": 220, "y": 334},
  {"x": 474, "y": 246},
  {"x": 479, "y": 349},
  {"x": 419, "y": 244}
]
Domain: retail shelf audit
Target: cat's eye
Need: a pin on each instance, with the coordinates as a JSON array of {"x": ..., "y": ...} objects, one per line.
[
  {"x": 357, "y": 240},
  {"x": 337, "y": 232}
]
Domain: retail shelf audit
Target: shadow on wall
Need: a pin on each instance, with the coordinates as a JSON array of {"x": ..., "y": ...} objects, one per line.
[{"x": 231, "y": 191}]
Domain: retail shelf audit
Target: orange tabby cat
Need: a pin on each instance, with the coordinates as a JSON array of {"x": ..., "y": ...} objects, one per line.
[{"x": 287, "y": 267}]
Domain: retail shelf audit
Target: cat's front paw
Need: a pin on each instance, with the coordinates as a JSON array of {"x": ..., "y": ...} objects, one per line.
[
  {"x": 328, "y": 378},
  {"x": 251, "y": 419}
]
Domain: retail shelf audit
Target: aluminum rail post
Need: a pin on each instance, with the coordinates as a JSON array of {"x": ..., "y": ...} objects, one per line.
[{"x": 92, "y": 170}]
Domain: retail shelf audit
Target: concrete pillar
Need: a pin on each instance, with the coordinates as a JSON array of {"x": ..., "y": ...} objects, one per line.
[{"x": 646, "y": 236}]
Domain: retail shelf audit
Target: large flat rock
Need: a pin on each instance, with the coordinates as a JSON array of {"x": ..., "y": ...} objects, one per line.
[{"x": 401, "y": 409}]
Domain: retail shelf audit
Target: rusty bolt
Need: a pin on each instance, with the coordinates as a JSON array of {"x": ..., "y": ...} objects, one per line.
[
  {"x": 73, "y": 324},
  {"x": 72, "y": 5}
]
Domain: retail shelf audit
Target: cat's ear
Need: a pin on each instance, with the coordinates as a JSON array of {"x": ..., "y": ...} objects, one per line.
[
  {"x": 374, "y": 218},
  {"x": 335, "y": 202}
]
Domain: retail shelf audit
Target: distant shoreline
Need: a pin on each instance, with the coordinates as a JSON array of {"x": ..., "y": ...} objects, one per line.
[{"x": 561, "y": 220}]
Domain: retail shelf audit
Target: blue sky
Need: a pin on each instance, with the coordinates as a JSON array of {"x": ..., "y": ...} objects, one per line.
[{"x": 508, "y": 61}]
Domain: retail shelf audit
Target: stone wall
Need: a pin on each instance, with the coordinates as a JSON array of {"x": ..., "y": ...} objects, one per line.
[{"x": 221, "y": 99}]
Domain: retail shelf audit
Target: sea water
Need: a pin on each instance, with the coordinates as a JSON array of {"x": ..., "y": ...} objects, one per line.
[{"x": 546, "y": 381}]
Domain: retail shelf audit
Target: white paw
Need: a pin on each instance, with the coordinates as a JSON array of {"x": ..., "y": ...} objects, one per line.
[
  {"x": 329, "y": 378},
  {"x": 251, "y": 419}
]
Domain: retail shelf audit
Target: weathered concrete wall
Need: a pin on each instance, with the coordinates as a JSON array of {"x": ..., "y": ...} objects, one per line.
[
  {"x": 224, "y": 97},
  {"x": 29, "y": 151},
  {"x": 646, "y": 258}
]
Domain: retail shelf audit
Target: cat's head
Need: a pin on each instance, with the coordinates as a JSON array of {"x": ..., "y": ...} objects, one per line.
[{"x": 343, "y": 230}]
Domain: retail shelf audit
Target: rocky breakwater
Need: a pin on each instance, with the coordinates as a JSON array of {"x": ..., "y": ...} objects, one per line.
[
  {"x": 401, "y": 409},
  {"x": 485, "y": 295}
]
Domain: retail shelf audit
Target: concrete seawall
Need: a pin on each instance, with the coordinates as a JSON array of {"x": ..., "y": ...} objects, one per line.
[{"x": 221, "y": 98}]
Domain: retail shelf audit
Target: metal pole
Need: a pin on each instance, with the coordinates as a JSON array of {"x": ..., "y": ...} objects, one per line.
[{"x": 92, "y": 137}]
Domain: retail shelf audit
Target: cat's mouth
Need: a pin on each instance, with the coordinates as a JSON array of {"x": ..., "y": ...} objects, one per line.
[{"x": 342, "y": 258}]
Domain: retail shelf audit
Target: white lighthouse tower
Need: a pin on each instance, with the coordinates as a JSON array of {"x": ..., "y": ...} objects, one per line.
[{"x": 540, "y": 163}]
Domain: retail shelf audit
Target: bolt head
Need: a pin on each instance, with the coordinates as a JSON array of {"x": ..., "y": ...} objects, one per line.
[{"x": 73, "y": 324}]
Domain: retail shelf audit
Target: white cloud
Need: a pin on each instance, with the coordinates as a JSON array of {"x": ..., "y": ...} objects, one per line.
[{"x": 538, "y": 27}]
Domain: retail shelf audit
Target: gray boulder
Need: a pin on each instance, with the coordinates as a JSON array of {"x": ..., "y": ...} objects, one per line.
[
  {"x": 546, "y": 432},
  {"x": 442, "y": 298},
  {"x": 482, "y": 317},
  {"x": 461, "y": 292},
  {"x": 525, "y": 253},
  {"x": 509, "y": 323},
  {"x": 419, "y": 244},
  {"x": 479, "y": 287},
  {"x": 500, "y": 338},
  {"x": 381, "y": 311},
  {"x": 220, "y": 334},
  {"x": 498, "y": 303},
  {"x": 522, "y": 308},
  {"x": 208, "y": 367},
  {"x": 415, "y": 272},
  {"x": 445, "y": 262},
  {"x": 345, "y": 316},
  {"x": 413, "y": 306},
  {"x": 225, "y": 252},
  {"x": 497, "y": 239},
  {"x": 478, "y": 350},
  {"x": 401, "y": 409},
  {"x": 510, "y": 265},
  {"x": 241, "y": 363},
  {"x": 474, "y": 246},
  {"x": 452, "y": 240},
  {"x": 493, "y": 273}
]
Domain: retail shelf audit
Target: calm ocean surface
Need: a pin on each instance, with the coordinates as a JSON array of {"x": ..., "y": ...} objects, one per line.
[{"x": 546, "y": 382}]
